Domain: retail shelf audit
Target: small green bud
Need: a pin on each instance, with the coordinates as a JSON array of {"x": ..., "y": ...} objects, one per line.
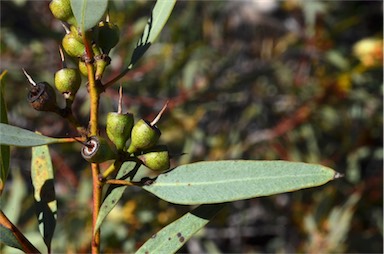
[
  {"x": 72, "y": 45},
  {"x": 83, "y": 68},
  {"x": 108, "y": 36},
  {"x": 143, "y": 136},
  {"x": 67, "y": 82},
  {"x": 119, "y": 128},
  {"x": 102, "y": 61},
  {"x": 76, "y": 33},
  {"x": 61, "y": 9},
  {"x": 156, "y": 159},
  {"x": 97, "y": 150}
]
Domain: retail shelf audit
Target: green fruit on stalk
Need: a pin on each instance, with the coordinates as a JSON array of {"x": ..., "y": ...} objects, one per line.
[
  {"x": 61, "y": 9},
  {"x": 83, "y": 68},
  {"x": 108, "y": 36},
  {"x": 96, "y": 150},
  {"x": 119, "y": 128},
  {"x": 67, "y": 82},
  {"x": 143, "y": 136},
  {"x": 72, "y": 45},
  {"x": 157, "y": 158},
  {"x": 101, "y": 61}
]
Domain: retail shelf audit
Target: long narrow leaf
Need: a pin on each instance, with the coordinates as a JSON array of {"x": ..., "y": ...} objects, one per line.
[
  {"x": 11, "y": 236},
  {"x": 8, "y": 238},
  {"x": 175, "y": 235},
  {"x": 4, "y": 149},
  {"x": 43, "y": 183},
  {"x": 16, "y": 136},
  {"x": 159, "y": 16},
  {"x": 225, "y": 181}
]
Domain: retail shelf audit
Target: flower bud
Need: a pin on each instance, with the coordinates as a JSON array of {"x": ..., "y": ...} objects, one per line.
[
  {"x": 102, "y": 61},
  {"x": 157, "y": 158},
  {"x": 97, "y": 150},
  {"x": 143, "y": 136},
  {"x": 119, "y": 128},
  {"x": 108, "y": 36},
  {"x": 67, "y": 82},
  {"x": 61, "y": 9},
  {"x": 72, "y": 45}
]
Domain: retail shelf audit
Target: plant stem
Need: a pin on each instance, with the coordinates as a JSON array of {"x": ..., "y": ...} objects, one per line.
[
  {"x": 120, "y": 182},
  {"x": 94, "y": 95},
  {"x": 26, "y": 245},
  {"x": 97, "y": 188}
]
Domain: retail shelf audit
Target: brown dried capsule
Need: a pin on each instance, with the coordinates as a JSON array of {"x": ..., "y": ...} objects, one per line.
[{"x": 41, "y": 96}]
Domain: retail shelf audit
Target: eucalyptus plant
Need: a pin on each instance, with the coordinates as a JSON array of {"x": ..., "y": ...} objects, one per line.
[{"x": 130, "y": 146}]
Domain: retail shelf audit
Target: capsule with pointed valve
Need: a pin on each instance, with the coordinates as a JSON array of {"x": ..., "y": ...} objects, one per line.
[
  {"x": 119, "y": 128},
  {"x": 143, "y": 136},
  {"x": 41, "y": 96},
  {"x": 156, "y": 158}
]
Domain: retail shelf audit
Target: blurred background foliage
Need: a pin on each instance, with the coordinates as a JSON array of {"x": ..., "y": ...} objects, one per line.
[{"x": 293, "y": 80}]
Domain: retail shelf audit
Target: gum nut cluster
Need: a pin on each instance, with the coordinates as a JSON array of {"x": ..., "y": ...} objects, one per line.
[
  {"x": 144, "y": 138},
  {"x": 68, "y": 80},
  {"x": 104, "y": 37}
]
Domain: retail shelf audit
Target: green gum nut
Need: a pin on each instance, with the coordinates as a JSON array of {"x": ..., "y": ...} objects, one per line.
[
  {"x": 61, "y": 9},
  {"x": 76, "y": 33},
  {"x": 108, "y": 36},
  {"x": 101, "y": 61},
  {"x": 83, "y": 68},
  {"x": 143, "y": 136},
  {"x": 119, "y": 128},
  {"x": 67, "y": 82},
  {"x": 72, "y": 45},
  {"x": 97, "y": 150},
  {"x": 157, "y": 158}
]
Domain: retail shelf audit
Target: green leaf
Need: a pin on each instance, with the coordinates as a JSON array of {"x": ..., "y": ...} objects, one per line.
[
  {"x": 44, "y": 192},
  {"x": 114, "y": 193},
  {"x": 4, "y": 149},
  {"x": 159, "y": 16},
  {"x": 224, "y": 181},
  {"x": 8, "y": 238},
  {"x": 16, "y": 136},
  {"x": 88, "y": 13},
  {"x": 175, "y": 235}
]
